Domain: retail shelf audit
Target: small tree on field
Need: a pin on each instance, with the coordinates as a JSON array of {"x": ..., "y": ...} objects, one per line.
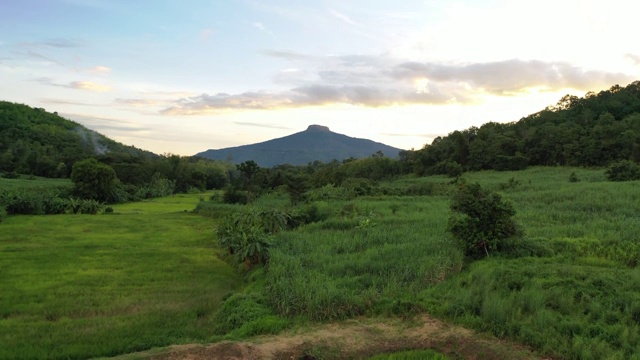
[
  {"x": 481, "y": 220},
  {"x": 93, "y": 180}
]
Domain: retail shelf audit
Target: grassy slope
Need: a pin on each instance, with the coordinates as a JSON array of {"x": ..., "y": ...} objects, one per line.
[
  {"x": 78, "y": 286},
  {"x": 576, "y": 298}
]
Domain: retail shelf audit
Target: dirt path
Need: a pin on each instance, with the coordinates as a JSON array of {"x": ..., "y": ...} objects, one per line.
[{"x": 356, "y": 339}]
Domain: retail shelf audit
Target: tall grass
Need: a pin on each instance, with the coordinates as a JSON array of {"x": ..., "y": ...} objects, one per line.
[
  {"x": 569, "y": 289},
  {"x": 362, "y": 261}
]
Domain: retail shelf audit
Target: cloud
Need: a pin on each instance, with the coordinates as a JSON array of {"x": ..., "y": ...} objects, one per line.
[
  {"x": 139, "y": 102},
  {"x": 633, "y": 58},
  {"x": 269, "y": 126},
  {"x": 66, "y": 102},
  {"x": 289, "y": 55},
  {"x": 377, "y": 81},
  {"x": 102, "y": 70},
  {"x": 98, "y": 123},
  {"x": 89, "y": 86},
  {"x": 55, "y": 43},
  {"x": 258, "y": 25},
  {"x": 77, "y": 85},
  {"x": 510, "y": 76},
  {"x": 344, "y": 18},
  {"x": 430, "y": 136}
]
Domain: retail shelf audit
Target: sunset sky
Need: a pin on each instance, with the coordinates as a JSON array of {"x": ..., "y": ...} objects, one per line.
[{"x": 184, "y": 76}]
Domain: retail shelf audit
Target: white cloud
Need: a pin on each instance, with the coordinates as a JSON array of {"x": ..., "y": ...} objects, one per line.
[{"x": 379, "y": 81}]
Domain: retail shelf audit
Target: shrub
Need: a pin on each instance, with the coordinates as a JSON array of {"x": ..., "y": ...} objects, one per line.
[
  {"x": 247, "y": 234},
  {"x": 234, "y": 196},
  {"x": 3, "y": 213},
  {"x": 624, "y": 170},
  {"x": 449, "y": 168},
  {"x": 240, "y": 310},
  {"x": 506, "y": 163},
  {"x": 573, "y": 178},
  {"x": 482, "y": 221}
]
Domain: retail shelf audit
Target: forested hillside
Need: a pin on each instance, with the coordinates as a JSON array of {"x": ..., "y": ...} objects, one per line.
[
  {"x": 591, "y": 131},
  {"x": 36, "y": 142}
]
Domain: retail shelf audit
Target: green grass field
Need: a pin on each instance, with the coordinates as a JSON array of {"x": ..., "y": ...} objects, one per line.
[
  {"x": 23, "y": 183},
  {"x": 569, "y": 289},
  {"x": 78, "y": 286}
]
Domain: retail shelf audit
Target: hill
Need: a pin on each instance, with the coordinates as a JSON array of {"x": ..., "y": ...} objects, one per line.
[
  {"x": 315, "y": 143},
  {"x": 594, "y": 130},
  {"x": 36, "y": 142}
]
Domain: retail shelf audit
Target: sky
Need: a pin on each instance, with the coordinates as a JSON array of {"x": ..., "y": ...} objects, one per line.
[{"x": 184, "y": 76}]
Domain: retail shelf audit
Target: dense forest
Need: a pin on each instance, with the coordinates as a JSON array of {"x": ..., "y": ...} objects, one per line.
[{"x": 591, "y": 131}]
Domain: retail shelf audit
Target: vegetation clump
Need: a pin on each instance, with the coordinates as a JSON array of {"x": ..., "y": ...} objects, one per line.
[
  {"x": 248, "y": 234},
  {"x": 482, "y": 221},
  {"x": 624, "y": 170}
]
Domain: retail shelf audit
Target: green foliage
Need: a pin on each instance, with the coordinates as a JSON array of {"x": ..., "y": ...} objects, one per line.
[
  {"x": 449, "y": 168},
  {"x": 247, "y": 234},
  {"x": 233, "y": 195},
  {"x": 93, "y": 180},
  {"x": 159, "y": 186},
  {"x": 243, "y": 315},
  {"x": 506, "y": 163},
  {"x": 595, "y": 130},
  {"x": 573, "y": 178},
  {"x": 484, "y": 222},
  {"x": 361, "y": 260},
  {"x": 564, "y": 310},
  {"x": 624, "y": 170},
  {"x": 3, "y": 212},
  {"x": 511, "y": 184}
]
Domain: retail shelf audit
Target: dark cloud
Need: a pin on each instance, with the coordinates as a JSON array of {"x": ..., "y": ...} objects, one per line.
[{"x": 381, "y": 81}]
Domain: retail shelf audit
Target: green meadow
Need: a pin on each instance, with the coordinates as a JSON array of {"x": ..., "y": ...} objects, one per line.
[
  {"x": 79, "y": 286},
  {"x": 151, "y": 274}
]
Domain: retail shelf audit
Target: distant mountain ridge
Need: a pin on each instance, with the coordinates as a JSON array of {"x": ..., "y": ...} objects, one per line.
[{"x": 315, "y": 143}]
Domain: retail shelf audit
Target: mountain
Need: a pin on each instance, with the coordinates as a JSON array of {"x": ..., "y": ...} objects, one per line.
[
  {"x": 315, "y": 143},
  {"x": 36, "y": 142}
]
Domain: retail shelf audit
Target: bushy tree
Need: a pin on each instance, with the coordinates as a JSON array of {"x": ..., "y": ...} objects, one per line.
[
  {"x": 247, "y": 234},
  {"x": 624, "y": 170},
  {"x": 93, "y": 180},
  {"x": 481, "y": 220}
]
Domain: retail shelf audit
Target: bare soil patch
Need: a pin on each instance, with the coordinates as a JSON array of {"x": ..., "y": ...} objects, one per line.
[{"x": 356, "y": 339}]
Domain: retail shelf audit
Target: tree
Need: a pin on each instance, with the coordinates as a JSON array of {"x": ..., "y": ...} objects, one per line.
[
  {"x": 93, "y": 180},
  {"x": 481, "y": 220},
  {"x": 248, "y": 172},
  {"x": 624, "y": 170}
]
